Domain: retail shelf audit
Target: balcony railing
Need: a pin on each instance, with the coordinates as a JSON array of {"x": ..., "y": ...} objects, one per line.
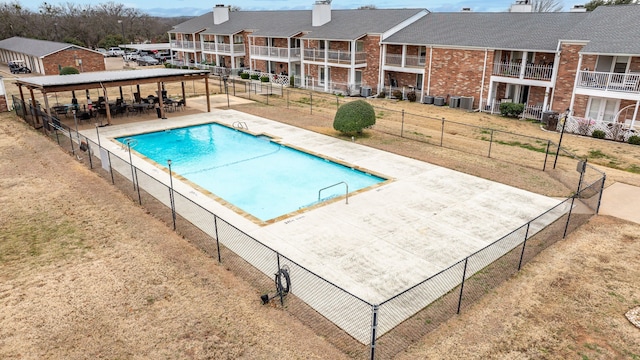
[
  {"x": 274, "y": 52},
  {"x": 183, "y": 44},
  {"x": 531, "y": 71},
  {"x": 334, "y": 56},
  {"x": 605, "y": 81},
  {"x": 409, "y": 60},
  {"x": 223, "y": 48}
]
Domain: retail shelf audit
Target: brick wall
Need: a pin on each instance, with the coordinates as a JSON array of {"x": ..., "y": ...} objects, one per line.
[
  {"x": 567, "y": 68},
  {"x": 457, "y": 72},
  {"x": 90, "y": 61},
  {"x": 3, "y": 103},
  {"x": 371, "y": 74}
]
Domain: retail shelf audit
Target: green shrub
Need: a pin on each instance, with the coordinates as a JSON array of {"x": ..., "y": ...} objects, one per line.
[
  {"x": 254, "y": 76},
  {"x": 511, "y": 109},
  {"x": 264, "y": 78},
  {"x": 634, "y": 140},
  {"x": 354, "y": 116},
  {"x": 244, "y": 75},
  {"x": 68, "y": 70},
  {"x": 168, "y": 65},
  {"x": 598, "y": 134},
  {"x": 292, "y": 81},
  {"x": 185, "y": 67},
  {"x": 411, "y": 96},
  {"x": 397, "y": 94}
]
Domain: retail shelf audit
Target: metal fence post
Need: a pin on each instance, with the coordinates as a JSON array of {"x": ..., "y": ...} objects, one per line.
[
  {"x": 337, "y": 102},
  {"x": 604, "y": 178},
  {"x": 374, "y": 328},
  {"x": 402, "y": 125},
  {"x": 546, "y": 155},
  {"x": 490, "y": 144},
  {"x": 171, "y": 199},
  {"x": 113, "y": 181},
  {"x": 464, "y": 274},
  {"x": 89, "y": 153},
  {"x": 98, "y": 136},
  {"x": 73, "y": 151},
  {"x": 524, "y": 244},
  {"x": 277, "y": 275},
  {"x": 566, "y": 226},
  {"x": 442, "y": 133},
  {"x": 135, "y": 171},
  {"x": 583, "y": 168},
  {"x": 287, "y": 99},
  {"x": 57, "y": 137},
  {"x": 215, "y": 226},
  {"x": 311, "y": 102}
]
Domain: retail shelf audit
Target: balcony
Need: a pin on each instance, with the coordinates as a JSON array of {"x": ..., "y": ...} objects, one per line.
[
  {"x": 185, "y": 45},
  {"x": 334, "y": 56},
  {"x": 409, "y": 61},
  {"x": 222, "y": 48},
  {"x": 531, "y": 71},
  {"x": 274, "y": 52},
  {"x": 605, "y": 81}
]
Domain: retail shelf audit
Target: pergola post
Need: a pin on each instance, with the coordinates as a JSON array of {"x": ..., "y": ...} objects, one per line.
[
  {"x": 206, "y": 89},
  {"x": 160, "y": 102},
  {"x": 106, "y": 102},
  {"x": 33, "y": 106},
  {"x": 184, "y": 97}
]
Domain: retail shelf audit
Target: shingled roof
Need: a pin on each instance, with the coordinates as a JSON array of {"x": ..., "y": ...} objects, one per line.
[
  {"x": 33, "y": 47},
  {"x": 611, "y": 30},
  {"x": 522, "y": 31}
]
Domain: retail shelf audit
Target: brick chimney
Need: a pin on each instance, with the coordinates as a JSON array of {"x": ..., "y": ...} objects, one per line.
[
  {"x": 321, "y": 13},
  {"x": 220, "y": 14}
]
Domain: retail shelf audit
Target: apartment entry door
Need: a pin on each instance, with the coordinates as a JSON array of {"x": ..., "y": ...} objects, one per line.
[{"x": 602, "y": 109}]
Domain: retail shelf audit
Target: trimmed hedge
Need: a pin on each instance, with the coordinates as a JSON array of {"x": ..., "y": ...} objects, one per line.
[
  {"x": 354, "y": 116},
  {"x": 69, "y": 70},
  {"x": 634, "y": 140},
  {"x": 244, "y": 75},
  {"x": 511, "y": 109},
  {"x": 598, "y": 134},
  {"x": 411, "y": 96}
]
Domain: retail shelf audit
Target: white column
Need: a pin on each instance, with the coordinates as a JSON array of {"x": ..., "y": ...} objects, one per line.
[
  {"x": 546, "y": 99},
  {"x": 326, "y": 65},
  {"x": 575, "y": 84},
  {"x": 635, "y": 114},
  {"x": 404, "y": 56},
  {"x": 523, "y": 65},
  {"x": 302, "y": 65},
  {"x": 352, "y": 69}
]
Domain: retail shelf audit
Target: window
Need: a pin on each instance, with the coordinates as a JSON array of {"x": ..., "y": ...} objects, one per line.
[
  {"x": 238, "y": 39},
  {"x": 323, "y": 76},
  {"x": 359, "y": 46}
]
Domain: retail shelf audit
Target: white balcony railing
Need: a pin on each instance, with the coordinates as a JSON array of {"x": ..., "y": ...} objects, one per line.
[
  {"x": 409, "y": 60},
  {"x": 183, "y": 44},
  {"x": 223, "y": 48},
  {"x": 274, "y": 52},
  {"x": 605, "y": 81},
  {"x": 531, "y": 71},
  {"x": 334, "y": 56}
]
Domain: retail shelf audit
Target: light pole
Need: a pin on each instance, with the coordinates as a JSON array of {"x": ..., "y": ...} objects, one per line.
[
  {"x": 564, "y": 123},
  {"x": 122, "y": 28},
  {"x": 171, "y": 200}
]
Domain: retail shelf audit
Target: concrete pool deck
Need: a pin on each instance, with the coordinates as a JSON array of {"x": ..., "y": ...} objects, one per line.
[{"x": 384, "y": 240}]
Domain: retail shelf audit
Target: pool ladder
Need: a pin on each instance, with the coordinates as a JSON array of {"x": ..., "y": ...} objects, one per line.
[
  {"x": 240, "y": 125},
  {"x": 336, "y": 184}
]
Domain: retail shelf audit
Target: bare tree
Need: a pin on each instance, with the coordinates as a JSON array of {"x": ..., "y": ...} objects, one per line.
[
  {"x": 547, "y": 5},
  {"x": 591, "y": 5},
  {"x": 367, "y": 7}
]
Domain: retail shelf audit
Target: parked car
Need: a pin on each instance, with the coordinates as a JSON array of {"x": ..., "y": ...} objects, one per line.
[
  {"x": 147, "y": 60},
  {"x": 102, "y": 51},
  {"x": 115, "y": 51},
  {"x": 18, "y": 67},
  {"x": 132, "y": 56},
  {"x": 162, "y": 56}
]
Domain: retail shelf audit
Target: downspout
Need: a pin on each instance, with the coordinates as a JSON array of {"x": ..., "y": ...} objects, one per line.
[
  {"x": 429, "y": 74},
  {"x": 635, "y": 114},
  {"x": 484, "y": 73},
  {"x": 381, "y": 61}
]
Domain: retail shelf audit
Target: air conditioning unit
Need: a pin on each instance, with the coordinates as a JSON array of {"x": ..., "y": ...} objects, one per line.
[
  {"x": 466, "y": 102},
  {"x": 438, "y": 101},
  {"x": 428, "y": 99},
  {"x": 454, "y": 101},
  {"x": 365, "y": 91}
]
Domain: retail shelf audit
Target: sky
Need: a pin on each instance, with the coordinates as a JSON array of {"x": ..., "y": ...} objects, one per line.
[{"x": 199, "y": 7}]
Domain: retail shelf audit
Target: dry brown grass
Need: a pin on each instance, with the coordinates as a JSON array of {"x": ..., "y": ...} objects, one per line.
[{"x": 85, "y": 273}]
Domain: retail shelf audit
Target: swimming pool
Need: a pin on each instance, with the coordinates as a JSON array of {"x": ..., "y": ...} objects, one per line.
[{"x": 255, "y": 174}]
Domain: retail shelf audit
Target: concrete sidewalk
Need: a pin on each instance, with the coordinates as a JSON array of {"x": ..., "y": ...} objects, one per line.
[{"x": 621, "y": 201}]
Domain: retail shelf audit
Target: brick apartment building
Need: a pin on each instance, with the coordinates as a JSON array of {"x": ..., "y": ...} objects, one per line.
[
  {"x": 588, "y": 62},
  {"x": 47, "y": 57}
]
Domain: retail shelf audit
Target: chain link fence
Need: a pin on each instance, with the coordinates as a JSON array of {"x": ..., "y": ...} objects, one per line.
[{"x": 360, "y": 329}]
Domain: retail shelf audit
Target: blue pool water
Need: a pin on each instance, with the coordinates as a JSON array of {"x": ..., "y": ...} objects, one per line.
[{"x": 263, "y": 178}]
